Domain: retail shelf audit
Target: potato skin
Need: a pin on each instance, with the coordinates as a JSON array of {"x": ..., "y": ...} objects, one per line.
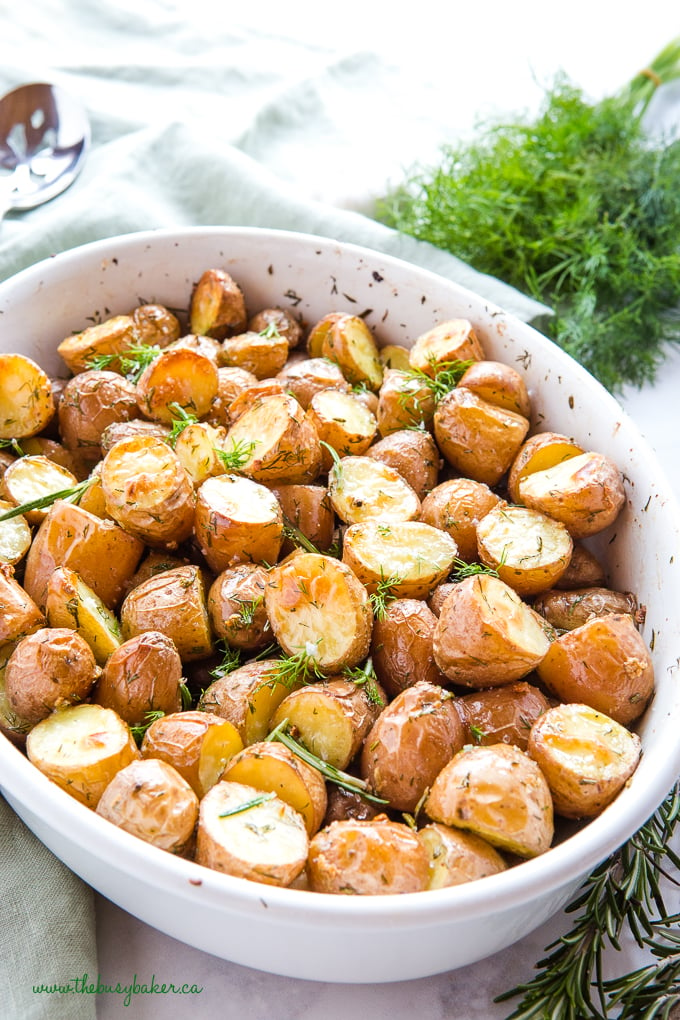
[
  {"x": 410, "y": 742},
  {"x": 49, "y": 668},
  {"x": 605, "y": 664},
  {"x": 566, "y": 610},
  {"x": 19, "y": 613},
  {"x": 478, "y": 439},
  {"x": 174, "y": 603},
  {"x": 457, "y": 505},
  {"x": 142, "y": 675},
  {"x": 501, "y": 714},
  {"x": 367, "y": 857},
  {"x": 197, "y": 744},
  {"x": 89, "y": 403},
  {"x": 401, "y": 646},
  {"x": 236, "y": 606},
  {"x": 414, "y": 454},
  {"x": 344, "y": 805},
  {"x": 498, "y": 384},
  {"x": 457, "y": 856}
]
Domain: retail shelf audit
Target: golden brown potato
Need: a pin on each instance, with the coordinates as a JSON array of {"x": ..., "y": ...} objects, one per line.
[
  {"x": 15, "y": 535},
  {"x": 318, "y": 607},
  {"x": 100, "y": 552},
  {"x": 118, "y": 430},
  {"x": 566, "y": 610},
  {"x": 486, "y": 635},
  {"x": 90, "y": 402},
  {"x": 456, "y": 506},
  {"x": 150, "y": 800},
  {"x": 367, "y": 857},
  {"x": 251, "y": 834},
  {"x": 248, "y": 698},
  {"x": 178, "y": 375},
  {"x": 307, "y": 508},
  {"x": 81, "y": 748},
  {"x": 408, "y": 558},
  {"x": 217, "y": 306},
  {"x": 584, "y": 570},
  {"x": 395, "y": 356},
  {"x": 341, "y": 421},
  {"x": 279, "y": 442},
  {"x": 277, "y": 320},
  {"x": 498, "y": 793},
  {"x": 251, "y": 396},
  {"x": 148, "y": 492},
  {"x": 155, "y": 325},
  {"x": 319, "y": 330},
  {"x": 230, "y": 383},
  {"x": 198, "y": 448},
  {"x": 35, "y": 477},
  {"x": 331, "y": 717},
  {"x": 26, "y": 404},
  {"x": 501, "y": 715},
  {"x": 18, "y": 612},
  {"x": 113, "y": 336},
  {"x": 363, "y": 489},
  {"x": 439, "y": 596},
  {"x": 404, "y": 401},
  {"x": 586, "y": 493},
  {"x": 498, "y": 384},
  {"x": 236, "y": 606},
  {"x": 237, "y": 520},
  {"x": 457, "y": 856},
  {"x": 56, "y": 451},
  {"x": 155, "y": 562},
  {"x": 261, "y": 354},
  {"x": 205, "y": 345},
  {"x": 310, "y": 375},
  {"x": 351, "y": 344},
  {"x": 11, "y": 724},
  {"x": 445, "y": 344},
  {"x": 478, "y": 439},
  {"x": 604, "y": 663},
  {"x": 540, "y": 451},
  {"x": 271, "y": 766},
  {"x": 409, "y": 744},
  {"x": 197, "y": 744},
  {"x": 528, "y": 550},
  {"x": 141, "y": 676},
  {"x": 401, "y": 645},
  {"x": 73, "y": 604},
  {"x": 586, "y": 757},
  {"x": 173, "y": 602},
  {"x": 414, "y": 454},
  {"x": 49, "y": 668}
]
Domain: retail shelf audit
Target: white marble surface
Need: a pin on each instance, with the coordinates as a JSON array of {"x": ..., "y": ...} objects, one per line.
[{"x": 443, "y": 75}]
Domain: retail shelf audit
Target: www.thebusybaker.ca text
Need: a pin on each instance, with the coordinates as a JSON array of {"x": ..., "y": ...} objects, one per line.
[{"x": 84, "y": 986}]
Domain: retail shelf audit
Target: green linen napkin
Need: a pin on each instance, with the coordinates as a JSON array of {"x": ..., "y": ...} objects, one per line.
[{"x": 179, "y": 138}]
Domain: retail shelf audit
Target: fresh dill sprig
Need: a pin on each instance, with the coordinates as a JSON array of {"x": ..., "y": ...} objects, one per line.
[
  {"x": 71, "y": 495},
  {"x": 445, "y": 377},
  {"x": 13, "y": 445},
  {"x": 231, "y": 660},
  {"x": 384, "y": 594},
  {"x": 624, "y": 890},
  {"x": 237, "y": 456},
  {"x": 131, "y": 362},
  {"x": 334, "y": 775},
  {"x": 293, "y": 533},
  {"x": 364, "y": 676},
  {"x": 247, "y": 608},
  {"x": 140, "y": 729},
  {"x": 181, "y": 419},
  {"x": 460, "y": 569},
  {"x": 301, "y": 667}
]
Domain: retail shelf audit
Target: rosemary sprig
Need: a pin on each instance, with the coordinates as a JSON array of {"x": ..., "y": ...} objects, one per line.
[
  {"x": 261, "y": 798},
  {"x": 293, "y": 533},
  {"x": 13, "y": 445},
  {"x": 364, "y": 676},
  {"x": 624, "y": 890},
  {"x": 131, "y": 363},
  {"x": 72, "y": 495},
  {"x": 351, "y": 783}
]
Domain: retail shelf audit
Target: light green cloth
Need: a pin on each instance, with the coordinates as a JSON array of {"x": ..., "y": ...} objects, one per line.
[{"x": 189, "y": 127}]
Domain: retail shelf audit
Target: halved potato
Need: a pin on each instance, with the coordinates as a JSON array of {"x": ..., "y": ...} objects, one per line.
[
  {"x": 395, "y": 356},
  {"x": 331, "y": 718},
  {"x": 197, "y": 744},
  {"x": 173, "y": 602},
  {"x": 26, "y": 404},
  {"x": 457, "y": 856},
  {"x": 263, "y": 355},
  {"x": 230, "y": 383},
  {"x": 586, "y": 757},
  {"x": 319, "y": 331},
  {"x": 404, "y": 401},
  {"x": 81, "y": 748},
  {"x": 351, "y": 344},
  {"x": 486, "y": 635},
  {"x": 414, "y": 454},
  {"x": 277, "y": 320},
  {"x": 527, "y": 549},
  {"x": 181, "y": 376},
  {"x": 501, "y": 715},
  {"x": 401, "y": 645},
  {"x": 318, "y": 607},
  {"x": 248, "y": 697},
  {"x": 72, "y": 604},
  {"x": 307, "y": 508},
  {"x": 540, "y": 451},
  {"x": 343, "y": 422},
  {"x": 217, "y": 306},
  {"x": 456, "y": 506},
  {"x": 35, "y": 477},
  {"x": 477, "y": 438},
  {"x": 454, "y": 340},
  {"x": 367, "y": 857},
  {"x": 498, "y": 793},
  {"x": 113, "y": 336},
  {"x": 19, "y": 614},
  {"x": 408, "y": 557},
  {"x": 271, "y": 766},
  {"x": 236, "y": 606},
  {"x": 498, "y": 384},
  {"x": 152, "y": 801},
  {"x": 197, "y": 447},
  {"x": 279, "y": 442},
  {"x": 142, "y": 675},
  {"x": 364, "y": 489},
  {"x": 310, "y": 375},
  {"x": 237, "y": 520}
]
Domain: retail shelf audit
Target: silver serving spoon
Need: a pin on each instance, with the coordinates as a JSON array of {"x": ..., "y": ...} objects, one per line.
[{"x": 44, "y": 136}]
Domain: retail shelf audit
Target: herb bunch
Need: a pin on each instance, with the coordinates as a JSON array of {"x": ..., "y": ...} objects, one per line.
[{"x": 578, "y": 207}]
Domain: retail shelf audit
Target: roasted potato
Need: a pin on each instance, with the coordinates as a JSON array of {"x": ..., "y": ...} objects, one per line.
[
  {"x": 527, "y": 549},
  {"x": 342, "y": 422},
  {"x": 457, "y": 856},
  {"x": 362, "y": 489},
  {"x": 150, "y": 799},
  {"x": 486, "y": 635},
  {"x": 81, "y": 748},
  {"x": 351, "y": 344},
  {"x": 501, "y": 714},
  {"x": 566, "y": 610},
  {"x": 414, "y": 454},
  {"x": 331, "y": 717},
  {"x": 33, "y": 478},
  {"x": 248, "y": 697},
  {"x": 113, "y": 336},
  {"x": 585, "y": 756},
  {"x": 605, "y": 664},
  {"x": 409, "y": 744},
  {"x": 49, "y": 668},
  {"x": 445, "y": 344},
  {"x": 346, "y": 804},
  {"x": 478, "y": 439},
  {"x": 277, "y": 320},
  {"x": 251, "y": 834},
  {"x": 406, "y": 558},
  {"x": 11, "y": 724},
  {"x": 198, "y": 447},
  {"x": 230, "y": 383},
  {"x": 236, "y": 606},
  {"x": 260, "y": 353},
  {"x": 404, "y": 401},
  {"x": 118, "y": 430},
  {"x": 456, "y": 506},
  {"x": 217, "y": 305},
  {"x": 308, "y": 509},
  {"x": 318, "y": 332},
  {"x": 538, "y": 452},
  {"x": 395, "y": 356},
  {"x": 367, "y": 857},
  {"x": 141, "y": 676},
  {"x": 498, "y": 384},
  {"x": 155, "y": 325},
  {"x": 181, "y": 376},
  {"x": 237, "y": 520},
  {"x": 584, "y": 570},
  {"x": 26, "y": 404},
  {"x": 18, "y": 612},
  {"x": 279, "y": 443},
  {"x": 498, "y": 793},
  {"x": 401, "y": 645},
  {"x": 271, "y": 766},
  {"x": 72, "y": 604},
  {"x": 90, "y": 402},
  {"x": 173, "y": 602},
  {"x": 198, "y": 745},
  {"x": 310, "y": 375},
  {"x": 317, "y": 606}
]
